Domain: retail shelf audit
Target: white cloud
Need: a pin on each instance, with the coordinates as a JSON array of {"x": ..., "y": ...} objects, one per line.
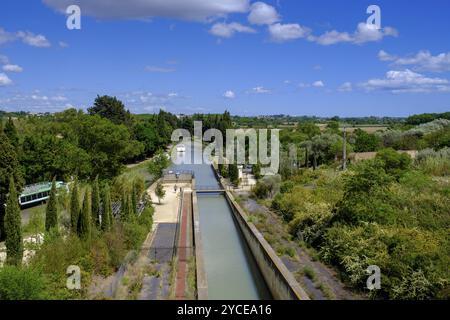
[
  {"x": 318, "y": 84},
  {"x": 332, "y": 37},
  {"x": 346, "y": 87},
  {"x": 6, "y": 36},
  {"x": 4, "y": 80},
  {"x": 229, "y": 94},
  {"x": 58, "y": 98},
  {"x": 63, "y": 44},
  {"x": 39, "y": 98},
  {"x": 4, "y": 59},
  {"x": 12, "y": 68},
  {"x": 34, "y": 40},
  {"x": 364, "y": 33},
  {"x": 36, "y": 102},
  {"x": 199, "y": 10},
  {"x": 384, "y": 56},
  {"x": 286, "y": 32},
  {"x": 407, "y": 81},
  {"x": 227, "y": 30},
  {"x": 261, "y": 13},
  {"x": 159, "y": 69},
  {"x": 421, "y": 61},
  {"x": 260, "y": 90}
]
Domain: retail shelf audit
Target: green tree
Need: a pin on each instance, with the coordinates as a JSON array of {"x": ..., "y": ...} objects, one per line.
[
  {"x": 160, "y": 192},
  {"x": 366, "y": 142},
  {"x": 158, "y": 164},
  {"x": 124, "y": 207},
  {"x": 74, "y": 207},
  {"x": 11, "y": 132},
  {"x": 107, "y": 144},
  {"x": 107, "y": 209},
  {"x": 395, "y": 163},
  {"x": 112, "y": 109},
  {"x": 365, "y": 194},
  {"x": 85, "y": 221},
  {"x": 51, "y": 212},
  {"x": 333, "y": 127},
  {"x": 9, "y": 167},
  {"x": 309, "y": 129},
  {"x": 233, "y": 173},
  {"x": 13, "y": 228},
  {"x": 96, "y": 203}
]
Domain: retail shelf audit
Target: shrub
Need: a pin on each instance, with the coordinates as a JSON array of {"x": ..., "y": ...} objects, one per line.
[
  {"x": 394, "y": 163},
  {"x": 20, "y": 284}
]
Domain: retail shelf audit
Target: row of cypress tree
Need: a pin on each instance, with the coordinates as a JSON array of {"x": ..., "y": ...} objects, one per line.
[{"x": 95, "y": 211}]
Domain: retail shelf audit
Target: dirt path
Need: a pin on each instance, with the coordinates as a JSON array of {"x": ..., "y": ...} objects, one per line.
[{"x": 319, "y": 280}]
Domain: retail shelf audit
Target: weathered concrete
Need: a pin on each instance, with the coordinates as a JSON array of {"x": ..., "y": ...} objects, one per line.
[
  {"x": 280, "y": 281},
  {"x": 202, "y": 283}
]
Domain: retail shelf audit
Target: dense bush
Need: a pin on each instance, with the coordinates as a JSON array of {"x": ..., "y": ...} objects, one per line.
[
  {"x": 20, "y": 284},
  {"x": 368, "y": 217},
  {"x": 394, "y": 163}
]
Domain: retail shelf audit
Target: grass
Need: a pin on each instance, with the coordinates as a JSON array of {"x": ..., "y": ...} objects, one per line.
[
  {"x": 326, "y": 291},
  {"x": 310, "y": 273}
]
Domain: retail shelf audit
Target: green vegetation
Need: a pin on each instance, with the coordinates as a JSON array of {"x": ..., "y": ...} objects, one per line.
[
  {"x": 51, "y": 211},
  {"x": 371, "y": 215},
  {"x": 160, "y": 192},
  {"x": 85, "y": 218},
  {"x": 13, "y": 228},
  {"x": 95, "y": 203},
  {"x": 107, "y": 210},
  {"x": 9, "y": 167},
  {"x": 391, "y": 211},
  {"x": 158, "y": 163},
  {"x": 74, "y": 207},
  {"x": 20, "y": 284}
]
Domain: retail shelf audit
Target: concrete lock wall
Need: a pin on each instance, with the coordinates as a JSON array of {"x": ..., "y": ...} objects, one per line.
[
  {"x": 202, "y": 283},
  {"x": 280, "y": 281}
]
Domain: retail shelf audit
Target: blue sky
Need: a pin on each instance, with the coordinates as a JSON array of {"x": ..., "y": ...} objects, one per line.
[{"x": 298, "y": 57}]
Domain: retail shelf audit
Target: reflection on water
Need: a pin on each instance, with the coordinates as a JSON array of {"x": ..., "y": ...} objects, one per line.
[{"x": 231, "y": 270}]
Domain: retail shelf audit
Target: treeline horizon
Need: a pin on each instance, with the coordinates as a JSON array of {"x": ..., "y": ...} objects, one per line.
[{"x": 412, "y": 119}]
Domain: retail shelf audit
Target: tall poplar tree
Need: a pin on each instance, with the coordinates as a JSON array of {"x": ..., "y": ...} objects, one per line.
[
  {"x": 51, "y": 212},
  {"x": 9, "y": 167},
  {"x": 11, "y": 132},
  {"x": 13, "y": 228},
  {"x": 84, "y": 221},
  {"x": 107, "y": 209},
  {"x": 74, "y": 207},
  {"x": 96, "y": 203}
]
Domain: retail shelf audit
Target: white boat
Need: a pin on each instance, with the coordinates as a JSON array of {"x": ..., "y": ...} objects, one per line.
[{"x": 181, "y": 148}]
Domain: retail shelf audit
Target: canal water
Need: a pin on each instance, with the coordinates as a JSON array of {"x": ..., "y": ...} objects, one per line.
[{"x": 231, "y": 270}]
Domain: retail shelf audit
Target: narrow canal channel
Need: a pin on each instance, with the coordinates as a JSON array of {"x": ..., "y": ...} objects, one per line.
[{"x": 231, "y": 270}]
